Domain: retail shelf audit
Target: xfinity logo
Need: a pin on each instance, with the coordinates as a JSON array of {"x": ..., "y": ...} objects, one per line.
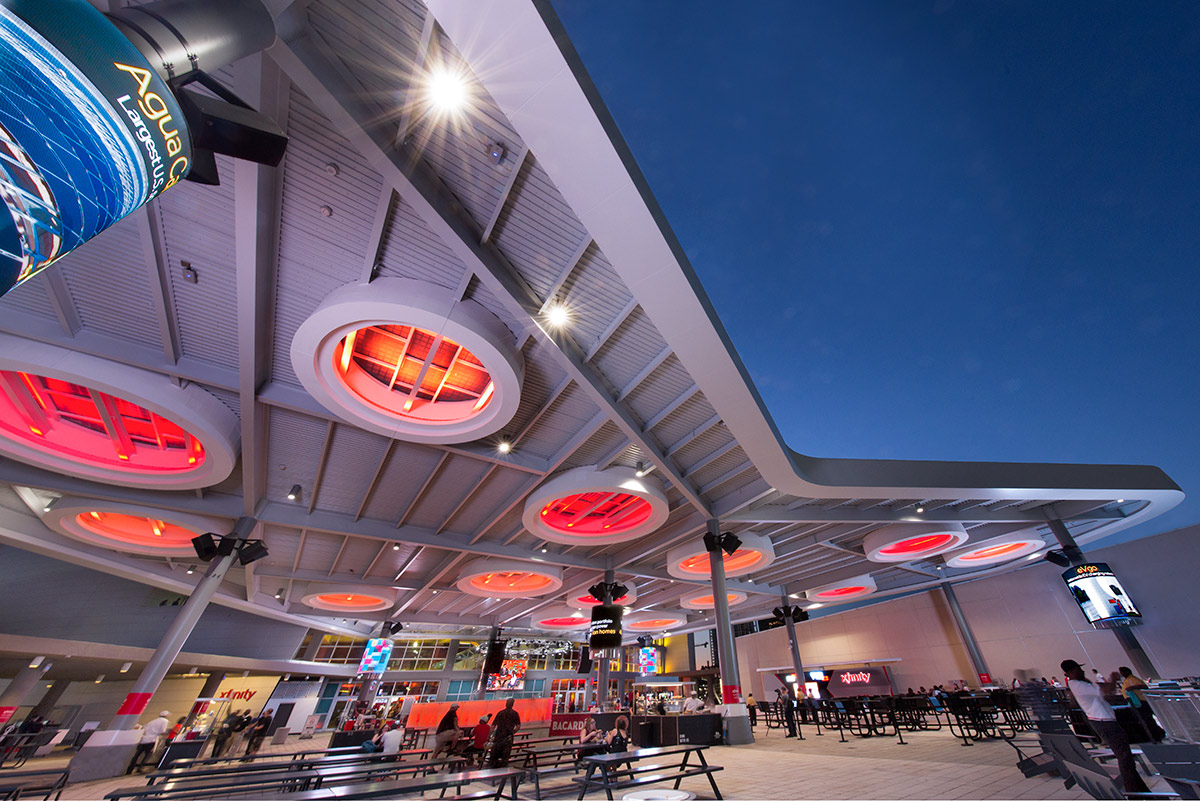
[
  {"x": 238, "y": 695},
  {"x": 856, "y": 678}
]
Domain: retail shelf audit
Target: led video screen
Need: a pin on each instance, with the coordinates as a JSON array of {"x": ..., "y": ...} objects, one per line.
[
  {"x": 1100, "y": 595},
  {"x": 510, "y": 677}
]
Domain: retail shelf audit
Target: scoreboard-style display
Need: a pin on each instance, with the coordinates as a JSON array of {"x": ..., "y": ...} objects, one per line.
[{"x": 88, "y": 132}]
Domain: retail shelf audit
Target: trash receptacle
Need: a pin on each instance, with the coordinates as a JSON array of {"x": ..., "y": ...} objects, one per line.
[{"x": 646, "y": 736}]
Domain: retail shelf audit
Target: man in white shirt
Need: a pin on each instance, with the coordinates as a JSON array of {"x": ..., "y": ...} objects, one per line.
[
  {"x": 150, "y": 735},
  {"x": 692, "y": 704},
  {"x": 391, "y": 739},
  {"x": 1104, "y": 722}
]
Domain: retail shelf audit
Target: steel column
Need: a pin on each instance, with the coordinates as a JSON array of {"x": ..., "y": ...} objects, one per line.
[
  {"x": 738, "y": 719},
  {"x": 964, "y": 631}
]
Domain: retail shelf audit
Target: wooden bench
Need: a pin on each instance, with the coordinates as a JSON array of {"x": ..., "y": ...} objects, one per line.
[
  {"x": 435, "y": 781},
  {"x": 15, "y": 785},
  {"x": 634, "y": 774}
]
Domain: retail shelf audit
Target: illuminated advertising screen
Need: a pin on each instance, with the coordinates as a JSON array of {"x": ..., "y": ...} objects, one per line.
[
  {"x": 88, "y": 131},
  {"x": 510, "y": 677},
  {"x": 1100, "y": 595},
  {"x": 647, "y": 660},
  {"x": 605, "y": 630},
  {"x": 376, "y": 655},
  {"x": 817, "y": 675}
]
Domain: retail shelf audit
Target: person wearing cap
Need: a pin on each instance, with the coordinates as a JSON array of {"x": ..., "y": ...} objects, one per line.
[
  {"x": 147, "y": 745},
  {"x": 1104, "y": 722},
  {"x": 447, "y": 733},
  {"x": 504, "y": 726}
]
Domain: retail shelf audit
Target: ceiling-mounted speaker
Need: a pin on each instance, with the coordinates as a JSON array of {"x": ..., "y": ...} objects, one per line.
[{"x": 494, "y": 661}]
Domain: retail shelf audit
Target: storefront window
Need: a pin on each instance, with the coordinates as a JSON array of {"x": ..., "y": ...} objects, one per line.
[
  {"x": 419, "y": 655},
  {"x": 337, "y": 649}
]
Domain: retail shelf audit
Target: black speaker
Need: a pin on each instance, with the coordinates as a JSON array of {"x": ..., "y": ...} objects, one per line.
[
  {"x": 585, "y": 662},
  {"x": 494, "y": 661}
]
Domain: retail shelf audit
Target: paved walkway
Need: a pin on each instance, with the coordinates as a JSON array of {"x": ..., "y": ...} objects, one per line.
[{"x": 932, "y": 766}]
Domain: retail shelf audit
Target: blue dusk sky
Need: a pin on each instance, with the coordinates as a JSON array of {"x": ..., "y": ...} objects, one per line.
[{"x": 937, "y": 229}]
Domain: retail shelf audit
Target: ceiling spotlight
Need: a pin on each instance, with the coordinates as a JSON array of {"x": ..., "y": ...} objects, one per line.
[
  {"x": 50, "y": 504},
  {"x": 294, "y": 493},
  {"x": 641, "y": 470},
  {"x": 279, "y": 594},
  {"x": 794, "y": 595},
  {"x": 558, "y": 315},
  {"x": 252, "y": 551},
  {"x": 1119, "y": 500},
  {"x": 191, "y": 569},
  {"x": 447, "y": 89},
  {"x": 545, "y": 549},
  {"x": 815, "y": 606},
  {"x": 125, "y": 667},
  {"x": 920, "y": 510},
  {"x": 1033, "y": 556},
  {"x": 504, "y": 447},
  {"x": 37, "y": 660},
  {"x": 99, "y": 679}
]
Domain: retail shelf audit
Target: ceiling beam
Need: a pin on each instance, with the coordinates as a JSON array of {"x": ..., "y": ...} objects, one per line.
[
  {"x": 610, "y": 329},
  {"x": 565, "y": 274},
  {"x": 379, "y": 226},
  {"x": 322, "y": 461},
  {"x": 149, "y": 224},
  {"x": 505, "y": 192},
  {"x": 61, "y": 301}
]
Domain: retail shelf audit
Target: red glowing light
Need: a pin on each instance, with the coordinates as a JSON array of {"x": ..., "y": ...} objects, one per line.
[
  {"x": 82, "y": 424},
  {"x": 841, "y": 592},
  {"x": 511, "y": 582},
  {"x": 349, "y": 601},
  {"x": 143, "y": 532},
  {"x": 739, "y": 560},
  {"x": 414, "y": 373},
  {"x": 596, "y": 513},
  {"x": 657, "y": 623},
  {"x": 917, "y": 545},
  {"x": 709, "y": 600},
  {"x": 995, "y": 551},
  {"x": 563, "y": 622}
]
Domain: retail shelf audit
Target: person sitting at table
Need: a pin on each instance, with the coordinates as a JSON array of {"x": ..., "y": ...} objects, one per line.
[
  {"x": 447, "y": 733},
  {"x": 592, "y": 736},
  {"x": 479, "y": 739},
  {"x": 617, "y": 740},
  {"x": 390, "y": 739}
]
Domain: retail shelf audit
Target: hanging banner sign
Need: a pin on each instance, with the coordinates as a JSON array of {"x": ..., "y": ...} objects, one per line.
[{"x": 88, "y": 132}]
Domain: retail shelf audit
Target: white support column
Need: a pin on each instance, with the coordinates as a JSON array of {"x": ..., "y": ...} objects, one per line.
[{"x": 737, "y": 720}]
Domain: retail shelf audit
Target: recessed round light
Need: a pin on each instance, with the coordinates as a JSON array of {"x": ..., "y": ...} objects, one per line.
[
  {"x": 590, "y": 506},
  {"x": 842, "y": 591},
  {"x": 508, "y": 578},
  {"x": 690, "y": 560},
  {"x": 349, "y": 598},
  {"x": 130, "y": 528},
  {"x": 704, "y": 599},
  {"x": 905, "y": 542},
  {"x": 996, "y": 550},
  {"x": 559, "y": 618}
]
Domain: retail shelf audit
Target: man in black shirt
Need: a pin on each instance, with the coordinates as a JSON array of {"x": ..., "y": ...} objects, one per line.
[
  {"x": 258, "y": 732},
  {"x": 506, "y": 724},
  {"x": 447, "y": 733}
]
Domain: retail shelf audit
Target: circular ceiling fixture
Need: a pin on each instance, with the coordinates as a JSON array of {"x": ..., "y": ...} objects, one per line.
[
  {"x": 653, "y": 621},
  {"x": 690, "y": 560},
  {"x": 89, "y": 417},
  {"x": 411, "y": 361},
  {"x": 705, "y": 599},
  {"x": 129, "y": 528},
  {"x": 560, "y": 618},
  {"x": 590, "y": 506},
  {"x": 841, "y": 591},
  {"x": 581, "y": 598},
  {"x": 507, "y": 578},
  {"x": 349, "y": 598},
  {"x": 996, "y": 551},
  {"x": 905, "y": 542}
]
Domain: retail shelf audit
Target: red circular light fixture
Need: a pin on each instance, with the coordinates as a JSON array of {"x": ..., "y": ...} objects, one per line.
[
  {"x": 691, "y": 561},
  {"x": 996, "y": 551},
  {"x": 590, "y": 506},
  {"x": 843, "y": 590},
  {"x": 349, "y": 598},
  {"x": 653, "y": 621},
  {"x": 704, "y": 599},
  {"x": 409, "y": 360},
  {"x": 905, "y": 542},
  {"x": 508, "y": 578},
  {"x": 130, "y": 528},
  {"x": 580, "y": 598},
  {"x": 560, "y": 618},
  {"x": 89, "y": 417}
]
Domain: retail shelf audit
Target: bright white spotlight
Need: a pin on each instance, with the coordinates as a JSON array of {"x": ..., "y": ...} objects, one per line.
[
  {"x": 504, "y": 447},
  {"x": 448, "y": 89},
  {"x": 558, "y": 315}
]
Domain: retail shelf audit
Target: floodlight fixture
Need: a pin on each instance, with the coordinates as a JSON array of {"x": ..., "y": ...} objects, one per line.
[
  {"x": 1058, "y": 558},
  {"x": 251, "y": 551},
  {"x": 206, "y": 546},
  {"x": 279, "y": 594},
  {"x": 295, "y": 492}
]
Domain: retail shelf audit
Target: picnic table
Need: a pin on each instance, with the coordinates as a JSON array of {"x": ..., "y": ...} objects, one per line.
[
  {"x": 626, "y": 769},
  {"x": 434, "y": 781},
  {"x": 358, "y": 756},
  {"x": 543, "y": 760},
  {"x": 13, "y": 785}
]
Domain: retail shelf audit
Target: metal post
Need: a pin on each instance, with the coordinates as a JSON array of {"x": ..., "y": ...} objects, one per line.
[
  {"x": 20, "y": 687},
  {"x": 964, "y": 631},
  {"x": 1139, "y": 659},
  {"x": 172, "y": 642},
  {"x": 737, "y": 719},
  {"x": 493, "y": 638},
  {"x": 605, "y": 666},
  {"x": 45, "y": 706},
  {"x": 790, "y": 624}
]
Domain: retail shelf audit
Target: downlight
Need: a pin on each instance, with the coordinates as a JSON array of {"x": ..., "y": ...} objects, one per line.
[
  {"x": 129, "y": 528},
  {"x": 690, "y": 560},
  {"x": 97, "y": 419},
  {"x": 589, "y": 506},
  {"x": 410, "y": 361},
  {"x": 349, "y": 599},
  {"x": 508, "y": 578},
  {"x": 905, "y": 542}
]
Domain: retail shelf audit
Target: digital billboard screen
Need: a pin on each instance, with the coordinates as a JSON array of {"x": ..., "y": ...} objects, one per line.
[
  {"x": 375, "y": 656},
  {"x": 1100, "y": 595},
  {"x": 648, "y": 660},
  {"x": 605, "y": 630},
  {"x": 89, "y": 132},
  {"x": 510, "y": 677}
]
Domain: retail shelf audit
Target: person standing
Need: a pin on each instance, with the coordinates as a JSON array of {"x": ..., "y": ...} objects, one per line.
[
  {"x": 257, "y": 732},
  {"x": 447, "y": 733},
  {"x": 752, "y": 708},
  {"x": 148, "y": 744},
  {"x": 1134, "y": 689},
  {"x": 506, "y": 724},
  {"x": 1104, "y": 722},
  {"x": 692, "y": 704}
]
